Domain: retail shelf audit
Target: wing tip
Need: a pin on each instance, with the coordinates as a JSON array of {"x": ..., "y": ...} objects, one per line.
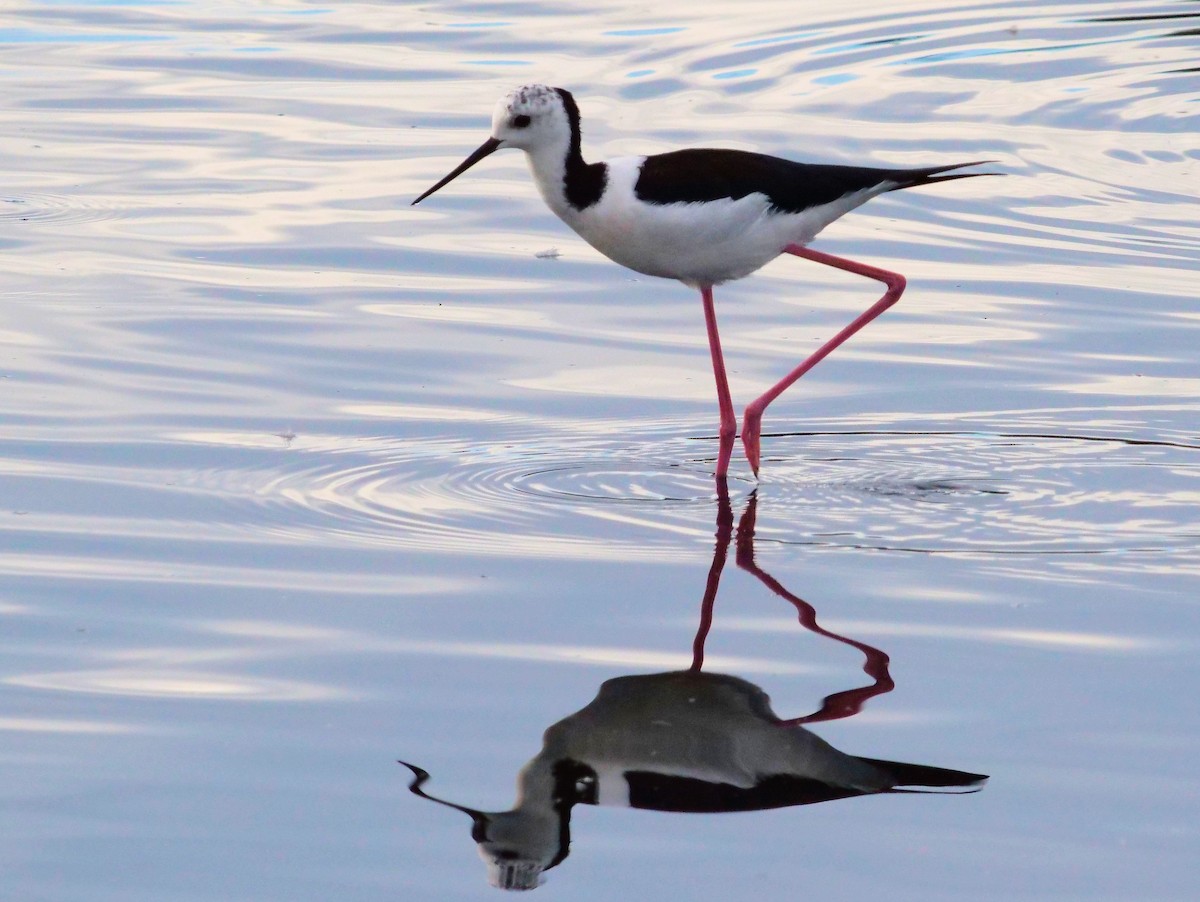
[{"x": 915, "y": 178}]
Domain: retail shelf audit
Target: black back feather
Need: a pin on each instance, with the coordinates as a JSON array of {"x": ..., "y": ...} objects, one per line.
[{"x": 696, "y": 176}]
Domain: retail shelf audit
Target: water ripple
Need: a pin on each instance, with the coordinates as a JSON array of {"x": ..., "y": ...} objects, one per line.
[
  {"x": 991, "y": 493},
  {"x": 951, "y": 492},
  {"x": 54, "y": 208}
]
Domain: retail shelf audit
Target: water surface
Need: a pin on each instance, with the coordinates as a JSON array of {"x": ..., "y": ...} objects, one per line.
[{"x": 300, "y": 480}]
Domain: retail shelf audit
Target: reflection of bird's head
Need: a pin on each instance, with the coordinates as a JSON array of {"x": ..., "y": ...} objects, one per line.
[
  {"x": 517, "y": 845},
  {"x": 515, "y": 874},
  {"x": 510, "y": 866}
]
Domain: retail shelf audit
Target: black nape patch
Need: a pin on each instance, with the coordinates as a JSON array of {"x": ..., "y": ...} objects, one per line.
[
  {"x": 696, "y": 176},
  {"x": 583, "y": 183}
]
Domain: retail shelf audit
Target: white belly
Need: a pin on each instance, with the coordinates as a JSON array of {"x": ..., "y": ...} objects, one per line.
[{"x": 697, "y": 243}]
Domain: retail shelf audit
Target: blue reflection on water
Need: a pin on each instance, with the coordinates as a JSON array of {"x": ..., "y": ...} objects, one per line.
[{"x": 32, "y": 36}]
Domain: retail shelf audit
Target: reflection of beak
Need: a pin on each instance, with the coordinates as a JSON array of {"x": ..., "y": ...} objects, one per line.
[{"x": 487, "y": 147}]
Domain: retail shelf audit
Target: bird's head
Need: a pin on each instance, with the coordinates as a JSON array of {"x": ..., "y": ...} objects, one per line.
[
  {"x": 532, "y": 116},
  {"x": 529, "y": 118}
]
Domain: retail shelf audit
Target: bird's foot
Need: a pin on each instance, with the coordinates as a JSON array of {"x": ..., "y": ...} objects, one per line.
[{"x": 751, "y": 431}]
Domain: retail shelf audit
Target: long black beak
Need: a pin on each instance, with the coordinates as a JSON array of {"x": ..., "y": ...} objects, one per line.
[{"x": 487, "y": 147}]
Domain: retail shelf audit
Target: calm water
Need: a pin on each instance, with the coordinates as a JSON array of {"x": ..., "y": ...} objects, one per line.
[{"x": 299, "y": 480}]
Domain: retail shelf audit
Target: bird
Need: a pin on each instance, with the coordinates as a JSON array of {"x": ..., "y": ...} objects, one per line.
[
  {"x": 701, "y": 216},
  {"x": 683, "y": 741}
]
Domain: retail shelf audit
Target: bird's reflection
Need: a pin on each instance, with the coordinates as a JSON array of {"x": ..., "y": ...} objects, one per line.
[{"x": 688, "y": 741}]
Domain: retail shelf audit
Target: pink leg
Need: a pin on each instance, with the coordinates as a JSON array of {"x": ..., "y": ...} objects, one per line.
[
  {"x": 728, "y": 429},
  {"x": 720, "y": 552},
  {"x": 841, "y": 704},
  {"x": 752, "y": 422}
]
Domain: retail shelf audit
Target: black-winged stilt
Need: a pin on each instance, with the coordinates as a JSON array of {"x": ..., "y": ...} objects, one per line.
[
  {"x": 690, "y": 741},
  {"x": 701, "y": 216}
]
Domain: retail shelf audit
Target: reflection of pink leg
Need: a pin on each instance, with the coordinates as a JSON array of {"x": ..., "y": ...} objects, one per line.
[
  {"x": 720, "y": 551},
  {"x": 728, "y": 430},
  {"x": 752, "y": 421},
  {"x": 875, "y": 665}
]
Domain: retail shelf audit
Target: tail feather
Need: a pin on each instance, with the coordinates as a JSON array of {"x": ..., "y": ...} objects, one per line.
[
  {"x": 904, "y": 774},
  {"x": 915, "y": 178}
]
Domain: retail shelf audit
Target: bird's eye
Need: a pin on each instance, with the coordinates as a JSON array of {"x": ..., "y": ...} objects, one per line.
[{"x": 521, "y": 121}]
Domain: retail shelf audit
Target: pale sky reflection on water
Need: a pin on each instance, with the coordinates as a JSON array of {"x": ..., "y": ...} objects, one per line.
[{"x": 299, "y": 480}]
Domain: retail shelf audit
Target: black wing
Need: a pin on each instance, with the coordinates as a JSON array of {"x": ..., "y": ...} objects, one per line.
[{"x": 699, "y": 175}]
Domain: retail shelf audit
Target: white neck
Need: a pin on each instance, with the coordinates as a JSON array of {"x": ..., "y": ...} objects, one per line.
[{"x": 548, "y": 163}]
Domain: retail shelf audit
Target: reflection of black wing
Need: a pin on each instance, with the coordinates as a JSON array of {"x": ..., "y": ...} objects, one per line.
[{"x": 661, "y": 792}]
